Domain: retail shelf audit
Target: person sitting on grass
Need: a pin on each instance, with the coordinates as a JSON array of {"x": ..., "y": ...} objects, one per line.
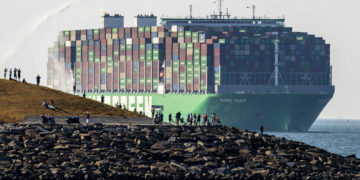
[
  {"x": 45, "y": 104},
  {"x": 52, "y": 105}
]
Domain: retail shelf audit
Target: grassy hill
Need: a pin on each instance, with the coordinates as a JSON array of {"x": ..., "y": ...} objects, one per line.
[{"x": 18, "y": 100}]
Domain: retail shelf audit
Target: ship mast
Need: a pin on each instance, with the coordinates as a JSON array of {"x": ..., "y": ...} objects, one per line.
[
  {"x": 190, "y": 11},
  {"x": 220, "y": 8},
  {"x": 253, "y": 10}
]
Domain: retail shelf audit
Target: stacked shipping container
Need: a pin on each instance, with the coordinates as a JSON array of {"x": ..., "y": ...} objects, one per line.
[{"x": 192, "y": 59}]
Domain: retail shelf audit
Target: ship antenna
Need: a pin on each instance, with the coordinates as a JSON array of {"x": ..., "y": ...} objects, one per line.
[
  {"x": 190, "y": 11},
  {"x": 253, "y": 8},
  {"x": 227, "y": 13},
  {"x": 220, "y": 8}
]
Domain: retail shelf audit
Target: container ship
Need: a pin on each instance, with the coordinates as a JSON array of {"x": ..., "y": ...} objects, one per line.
[{"x": 249, "y": 71}]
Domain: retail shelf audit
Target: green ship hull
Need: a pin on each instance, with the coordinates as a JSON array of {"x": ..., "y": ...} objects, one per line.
[{"x": 276, "y": 112}]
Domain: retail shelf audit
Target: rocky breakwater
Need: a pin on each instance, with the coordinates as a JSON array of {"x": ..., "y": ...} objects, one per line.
[{"x": 161, "y": 152}]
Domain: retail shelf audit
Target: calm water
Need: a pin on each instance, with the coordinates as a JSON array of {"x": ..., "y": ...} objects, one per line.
[{"x": 336, "y": 136}]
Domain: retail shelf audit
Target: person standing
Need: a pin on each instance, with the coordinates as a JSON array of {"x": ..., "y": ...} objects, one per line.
[
  {"x": 213, "y": 118},
  {"x": 217, "y": 119},
  {"x": 261, "y": 130},
  {"x": 10, "y": 74},
  {"x": 102, "y": 99},
  {"x": 5, "y": 72},
  {"x": 19, "y": 74},
  {"x": 84, "y": 94},
  {"x": 198, "y": 120},
  {"x": 188, "y": 120},
  {"x": 206, "y": 119},
  {"x": 87, "y": 118},
  {"x": 74, "y": 88},
  {"x": 152, "y": 112},
  {"x": 38, "y": 80},
  {"x": 177, "y": 118},
  {"x": 170, "y": 118},
  {"x": 194, "y": 119},
  {"x": 15, "y": 75}
]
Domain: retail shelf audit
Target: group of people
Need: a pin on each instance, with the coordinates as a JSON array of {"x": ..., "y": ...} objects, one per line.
[
  {"x": 50, "y": 105},
  {"x": 158, "y": 118},
  {"x": 192, "y": 119},
  {"x": 17, "y": 74}
]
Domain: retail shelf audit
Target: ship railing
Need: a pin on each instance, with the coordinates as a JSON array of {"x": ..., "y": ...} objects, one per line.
[{"x": 260, "y": 78}]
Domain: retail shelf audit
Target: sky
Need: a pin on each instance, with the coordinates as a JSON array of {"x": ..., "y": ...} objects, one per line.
[{"x": 28, "y": 28}]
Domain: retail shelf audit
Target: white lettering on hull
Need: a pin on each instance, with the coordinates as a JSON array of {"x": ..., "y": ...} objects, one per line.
[
  {"x": 131, "y": 103},
  {"x": 107, "y": 100},
  {"x": 141, "y": 103},
  {"x": 123, "y": 100},
  {"x": 228, "y": 100},
  {"x": 148, "y": 105},
  {"x": 115, "y": 99}
]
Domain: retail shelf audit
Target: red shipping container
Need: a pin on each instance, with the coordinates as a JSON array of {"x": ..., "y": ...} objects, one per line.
[
  {"x": 148, "y": 75},
  {"x": 161, "y": 29},
  {"x": 141, "y": 35},
  {"x": 109, "y": 69},
  {"x": 147, "y": 34},
  {"x": 84, "y": 76},
  {"x": 83, "y": 32},
  {"x": 68, "y": 74},
  {"x": 155, "y": 71},
  {"x": 204, "y": 79},
  {"x": 127, "y": 32},
  {"x": 97, "y": 66},
  {"x": 168, "y": 48},
  {"x": 108, "y": 34},
  {"x": 97, "y": 36},
  {"x": 196, "y": 45},
  {"x": 121, "y": 33},
  {"x": 203, "y": 50},
  {"x": 134, "y": 32},
  {"x": 102, "y": 34}
]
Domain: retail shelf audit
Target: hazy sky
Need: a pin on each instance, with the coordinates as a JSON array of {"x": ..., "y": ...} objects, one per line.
[{"x": 28, "y": 28}]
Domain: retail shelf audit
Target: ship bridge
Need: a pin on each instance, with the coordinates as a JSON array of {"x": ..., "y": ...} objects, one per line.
[{"x": 261, "y": 22}]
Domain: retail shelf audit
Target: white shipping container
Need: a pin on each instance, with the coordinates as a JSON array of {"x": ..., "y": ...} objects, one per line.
[
  {"x": 155, "y": 40},
  {"x": 174, "y": 28},
  {"x": 67, "y": 43},
  {"x": 83, "y": 37},
  {"x": 128, "y": 41}
]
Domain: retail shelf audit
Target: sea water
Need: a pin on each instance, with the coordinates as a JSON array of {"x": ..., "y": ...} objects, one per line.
[{"x": 336, "y": 136}]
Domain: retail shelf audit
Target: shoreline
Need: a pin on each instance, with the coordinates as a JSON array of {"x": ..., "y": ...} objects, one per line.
[{"x": 161, "y": 152}]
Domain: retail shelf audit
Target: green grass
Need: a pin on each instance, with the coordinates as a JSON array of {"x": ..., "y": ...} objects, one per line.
[{"x": 18, "y": 100}]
